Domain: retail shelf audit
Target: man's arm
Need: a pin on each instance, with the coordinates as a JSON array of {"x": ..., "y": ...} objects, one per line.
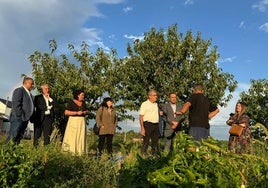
[
  {"x": 213, "y": 113},
  {"x": 184, "y": 108},
  {"x": 17, "y": 101},
  {"x": 142, "y": 125}
]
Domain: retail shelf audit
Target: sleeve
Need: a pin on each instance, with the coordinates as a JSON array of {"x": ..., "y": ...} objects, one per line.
[
  {"x": 212, "y": 107},
  {"x": 244, "y": 119},
  {"x": 17, "y": 101},
  {"x": 191, "y": 99},
  {"x": 70, "y": 106},
  {"x": 98, "y": 116},
  {"x": 142, "y": 109}
]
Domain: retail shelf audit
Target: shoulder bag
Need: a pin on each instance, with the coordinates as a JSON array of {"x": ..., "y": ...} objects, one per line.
[{"x": 236, "y": 129}]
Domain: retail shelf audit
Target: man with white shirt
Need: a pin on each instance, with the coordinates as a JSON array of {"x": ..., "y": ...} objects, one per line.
[
  {"x": 22, "y": 110},
  {"x": 44, "y": 115},
  {"x": 149, "y": 119}
]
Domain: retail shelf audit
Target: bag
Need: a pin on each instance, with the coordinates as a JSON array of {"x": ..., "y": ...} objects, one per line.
[
  {"x": 236, "y": 129},
  {"x": 96, "y": 129}
]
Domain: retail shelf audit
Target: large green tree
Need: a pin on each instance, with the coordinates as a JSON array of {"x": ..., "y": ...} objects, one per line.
[
  {"x": 167, "y": 61},
  {"x": 256, "y": 99},
  {"x": 163, "y": 60},
  {"x": 76, "y": 70}
]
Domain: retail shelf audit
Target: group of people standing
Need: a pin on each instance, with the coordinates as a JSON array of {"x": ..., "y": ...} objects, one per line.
[
  {"x": 201, "y": 110},
  {"x": 40, "y": 111}
]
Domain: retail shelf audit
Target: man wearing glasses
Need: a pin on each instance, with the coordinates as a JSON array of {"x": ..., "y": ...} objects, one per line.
[{"x": 149, "y": 119}]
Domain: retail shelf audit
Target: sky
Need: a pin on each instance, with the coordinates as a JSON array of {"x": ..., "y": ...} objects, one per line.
[{"x": 239, "y": 28}]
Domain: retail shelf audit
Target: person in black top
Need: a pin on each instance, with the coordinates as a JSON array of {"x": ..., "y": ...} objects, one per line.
[
  {"x": 74, "y": 139},
  {"x": 201, "y": 110}
]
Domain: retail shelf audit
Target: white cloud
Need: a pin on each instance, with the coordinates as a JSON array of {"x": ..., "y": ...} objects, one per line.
[
  {"x": 188, "y": 2},
  {"x": 133, "y": 37},
  {"x": 127, "y": 9},
  {"x": 27, "y": 26},
  {"x": 261, "y": 5},
  {"x": 228, "y": 59},
  {"x": 242, "y": 24},
  {"x": 264, "y": 27}
]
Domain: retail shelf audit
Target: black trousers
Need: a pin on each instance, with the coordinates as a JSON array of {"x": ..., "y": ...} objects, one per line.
[
  {"x": 151, "y": 133},
  {"x": 44, "y": 127},
  {"x": 109, "y": 140}
]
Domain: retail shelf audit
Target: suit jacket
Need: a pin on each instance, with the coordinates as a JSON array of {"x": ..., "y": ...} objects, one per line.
[
  {"x": 169, "y": 117},
  {"x": 41, "y": 107},
  {"x": 22, "y": 104}
]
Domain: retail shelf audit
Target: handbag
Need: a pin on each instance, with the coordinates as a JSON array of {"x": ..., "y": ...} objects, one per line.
[
  {"x": 96, "y": 129},
  {"x": 236, "y": 129}
]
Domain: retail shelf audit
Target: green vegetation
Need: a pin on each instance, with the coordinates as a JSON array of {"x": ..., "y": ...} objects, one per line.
[
  {"x": 205, "y": 164},
  {"x": 163, "y": 60}
]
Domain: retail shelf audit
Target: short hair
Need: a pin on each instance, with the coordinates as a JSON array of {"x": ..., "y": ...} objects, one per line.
[
  {"x": 172, "y": 93},
  {"x": 77, "y": 92},
  {"x": 151, "y": 91},
  {"x": 26, "y": 78},
  {"x": 198, "y": 87}
]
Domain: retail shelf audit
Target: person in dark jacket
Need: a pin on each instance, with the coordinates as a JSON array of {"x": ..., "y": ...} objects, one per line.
[{"x": 43, "y": 116}]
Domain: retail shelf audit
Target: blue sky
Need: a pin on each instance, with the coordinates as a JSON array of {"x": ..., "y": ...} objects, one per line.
[{"x": 239, "y": 28}]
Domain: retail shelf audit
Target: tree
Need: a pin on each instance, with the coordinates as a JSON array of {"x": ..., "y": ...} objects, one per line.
[
  {"x": 168, "y": 62},
  {"x": 164, "y": 61},
  {"x": 256, "y": 99},
  {"x": 90, "y": 72}
]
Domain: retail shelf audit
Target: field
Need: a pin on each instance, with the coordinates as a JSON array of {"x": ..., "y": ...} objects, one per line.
[{"x": 204, "y": 164}]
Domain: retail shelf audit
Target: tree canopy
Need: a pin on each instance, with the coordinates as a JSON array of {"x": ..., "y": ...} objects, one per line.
[
  {"x": 256, "y": 100},
  {"x": 164, "y": 60}
]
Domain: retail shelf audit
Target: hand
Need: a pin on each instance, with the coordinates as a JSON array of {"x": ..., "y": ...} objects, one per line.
[
  {"x": 79, "y": 112},
  {"x": 230, "y": 121},
  {"x": 143, "y": 132},
  {"x": 174, "y": 124},
  {"x": 178, "y": 113}
]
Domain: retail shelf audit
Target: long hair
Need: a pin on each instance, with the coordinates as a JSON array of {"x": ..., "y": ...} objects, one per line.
[
  {"x": 243, "y": 109},
  {"x": 105, "y": 100}
]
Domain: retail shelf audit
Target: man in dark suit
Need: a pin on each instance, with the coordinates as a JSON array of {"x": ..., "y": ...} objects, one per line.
[
  {"x": 44, "y": 115},
  {"x": 22, "y": 110},
  {"x": 172, "y": 120}
]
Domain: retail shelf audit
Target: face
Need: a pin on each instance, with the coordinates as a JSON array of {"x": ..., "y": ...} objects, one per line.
[
  {"x": 29, "y": 84},
  {"x": 152, "y": 96},
  {"x": 81, "y": 96},
  {"x": 173, "y": 98},
  {"x": 238, "y": 107},
  {"x": 109, "y": 104},
  {"x": 45, "y": 89}
]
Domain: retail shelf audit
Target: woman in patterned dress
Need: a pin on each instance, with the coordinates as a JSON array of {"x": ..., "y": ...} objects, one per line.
[{"x": 240, "y": 144}]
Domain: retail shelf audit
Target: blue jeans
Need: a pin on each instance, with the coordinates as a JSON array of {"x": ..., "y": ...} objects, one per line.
[
  {"x": 17, "y": 129},
  {"x": 199, "y": 133}
]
